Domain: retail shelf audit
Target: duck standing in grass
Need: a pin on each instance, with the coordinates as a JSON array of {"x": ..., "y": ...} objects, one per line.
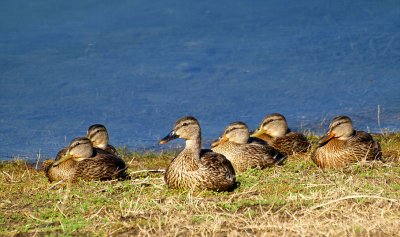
[
  {"x": 274, "y": 131},
  {"x": 343, "y": 145},
  {"x": 81, "y": 161},
  {"x": 233, "y": 144},
  {"x": 195, "y": 168}
]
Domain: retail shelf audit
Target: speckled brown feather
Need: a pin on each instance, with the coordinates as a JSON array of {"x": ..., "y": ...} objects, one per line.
[
  {"x": 291, "y": 143},
  {"x": 251, "y": 155},
  {"x": 338, "y": 153}
]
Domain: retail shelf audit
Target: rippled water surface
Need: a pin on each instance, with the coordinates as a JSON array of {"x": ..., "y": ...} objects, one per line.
[{"x": 137, "y": 66}]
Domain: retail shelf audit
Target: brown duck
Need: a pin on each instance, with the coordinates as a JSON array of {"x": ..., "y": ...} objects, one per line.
[
  {"x": 274, "y": 131},
  {"x": 81, "y": 161},
  {"x": 343, "y": 145},
  {"x": 234, "y": 145},
  {"x": 195, "y": 168}
]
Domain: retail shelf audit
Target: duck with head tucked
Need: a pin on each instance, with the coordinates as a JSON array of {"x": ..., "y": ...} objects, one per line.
[
  {"x": 234, "y": 145},
  {"x": 195, "y": 168},
  {"x": 343, "y": 145},
  {"x": 274, "y": 131},
  {"x": 81, "y": 161}
]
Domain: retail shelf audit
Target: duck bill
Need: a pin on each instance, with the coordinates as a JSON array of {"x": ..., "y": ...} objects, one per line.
[
  {"x": 323, "y": 140},
  {"x": 219, "y": 141},
  {"x": 169, "y": 137},
  {"x": 63, "y": 159},
  {"x": 257, "y": 133}
]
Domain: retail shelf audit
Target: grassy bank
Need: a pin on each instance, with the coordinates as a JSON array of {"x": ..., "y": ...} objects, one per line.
[{"x": 290, "y": 200}]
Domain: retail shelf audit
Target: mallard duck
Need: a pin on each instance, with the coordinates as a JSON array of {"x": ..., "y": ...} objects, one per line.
[
  {"x": 343, "y": 145},
  {"x": 98, "y": 136},
  {"x": 81, "y": 161},
  {"x": 233, "y": 144},
  {"x": 195, "y": 168},
  {"x": 274, "y": 130}
]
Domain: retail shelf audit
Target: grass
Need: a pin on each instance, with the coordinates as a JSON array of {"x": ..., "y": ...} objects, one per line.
[{"x": 296, "y": 199}]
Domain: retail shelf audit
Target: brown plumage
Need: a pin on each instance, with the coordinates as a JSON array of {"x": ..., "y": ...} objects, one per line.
[
  {"x": 81, "y": 161},
  {"x": 195, "y": 168},
  {"x": 274, "y": 131},
  {"x": 343, "y": 145},
  {"x": 233, "y": 144}
]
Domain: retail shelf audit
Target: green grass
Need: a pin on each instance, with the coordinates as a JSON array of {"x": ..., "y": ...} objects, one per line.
[{"x": 295, "y": 199}]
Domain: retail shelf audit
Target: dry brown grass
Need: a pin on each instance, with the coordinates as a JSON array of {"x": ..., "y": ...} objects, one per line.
[{"x": 296, "y": 199}]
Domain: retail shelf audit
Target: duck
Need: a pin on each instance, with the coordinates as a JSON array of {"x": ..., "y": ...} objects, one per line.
[
  {"x": 81, "y": 161},
  {"x": 196, "y": 168},
  {"x": 274, "y": 131},
  {"x": 234, "y": 145},
  {"x": 343, "y": 145},
  {"x": 98, "y": 136}
]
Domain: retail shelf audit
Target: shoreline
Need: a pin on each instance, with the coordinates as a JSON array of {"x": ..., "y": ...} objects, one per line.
[
  {"x": 176, "y": 147},
  {"x": 296, "y": 198}
]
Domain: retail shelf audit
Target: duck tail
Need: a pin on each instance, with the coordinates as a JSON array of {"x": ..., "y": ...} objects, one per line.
[
  {"x": 280, "y": 158},
  {"x": 123, "y": 174}
]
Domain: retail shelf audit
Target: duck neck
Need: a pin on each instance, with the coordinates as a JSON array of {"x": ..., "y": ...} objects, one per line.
[
  {"x": 189, "y": 158},
  {"x": 194, "y": 145}
]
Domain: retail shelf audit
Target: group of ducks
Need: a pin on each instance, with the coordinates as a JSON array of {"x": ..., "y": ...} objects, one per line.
[
  {"x": 236, "y": 150},
  {"x": 88, "y": 158}
]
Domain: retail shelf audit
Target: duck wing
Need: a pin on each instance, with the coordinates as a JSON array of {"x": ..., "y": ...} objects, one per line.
[
  {"x": 220, "y": 172},
  {"x": 293, "y": 142},
  {"x": 101, "y": 167},
  {"x": 264, "y": 155},
  {"x": 365, "y": 140}
]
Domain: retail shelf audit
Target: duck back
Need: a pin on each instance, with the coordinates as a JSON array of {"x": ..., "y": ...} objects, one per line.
[
  {"x": 291, "y": 143},
  {"x": 251, "y": 155}
]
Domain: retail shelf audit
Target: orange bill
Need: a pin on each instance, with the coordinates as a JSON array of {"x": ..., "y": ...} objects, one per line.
[
  {"x": 257, "y": 133},
  {"x": 62, "y": 159},
  {"x": 323, "y": 140},
  {"x": 219, "y": 141}
]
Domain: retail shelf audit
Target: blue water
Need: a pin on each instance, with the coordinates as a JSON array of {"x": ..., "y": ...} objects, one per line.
[{"x": 137, "y": 66}]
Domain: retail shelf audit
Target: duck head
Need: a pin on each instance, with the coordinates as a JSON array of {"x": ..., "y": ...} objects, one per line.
[
  {"x": 274, "y": 125},
  {"x": 340, "y": 128},
  {"x": 187, "y": 128},
  {"x": 98, "y": 136},
  {"x": 80, "y": 148},
  {"x": 237, "y": 132}
]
